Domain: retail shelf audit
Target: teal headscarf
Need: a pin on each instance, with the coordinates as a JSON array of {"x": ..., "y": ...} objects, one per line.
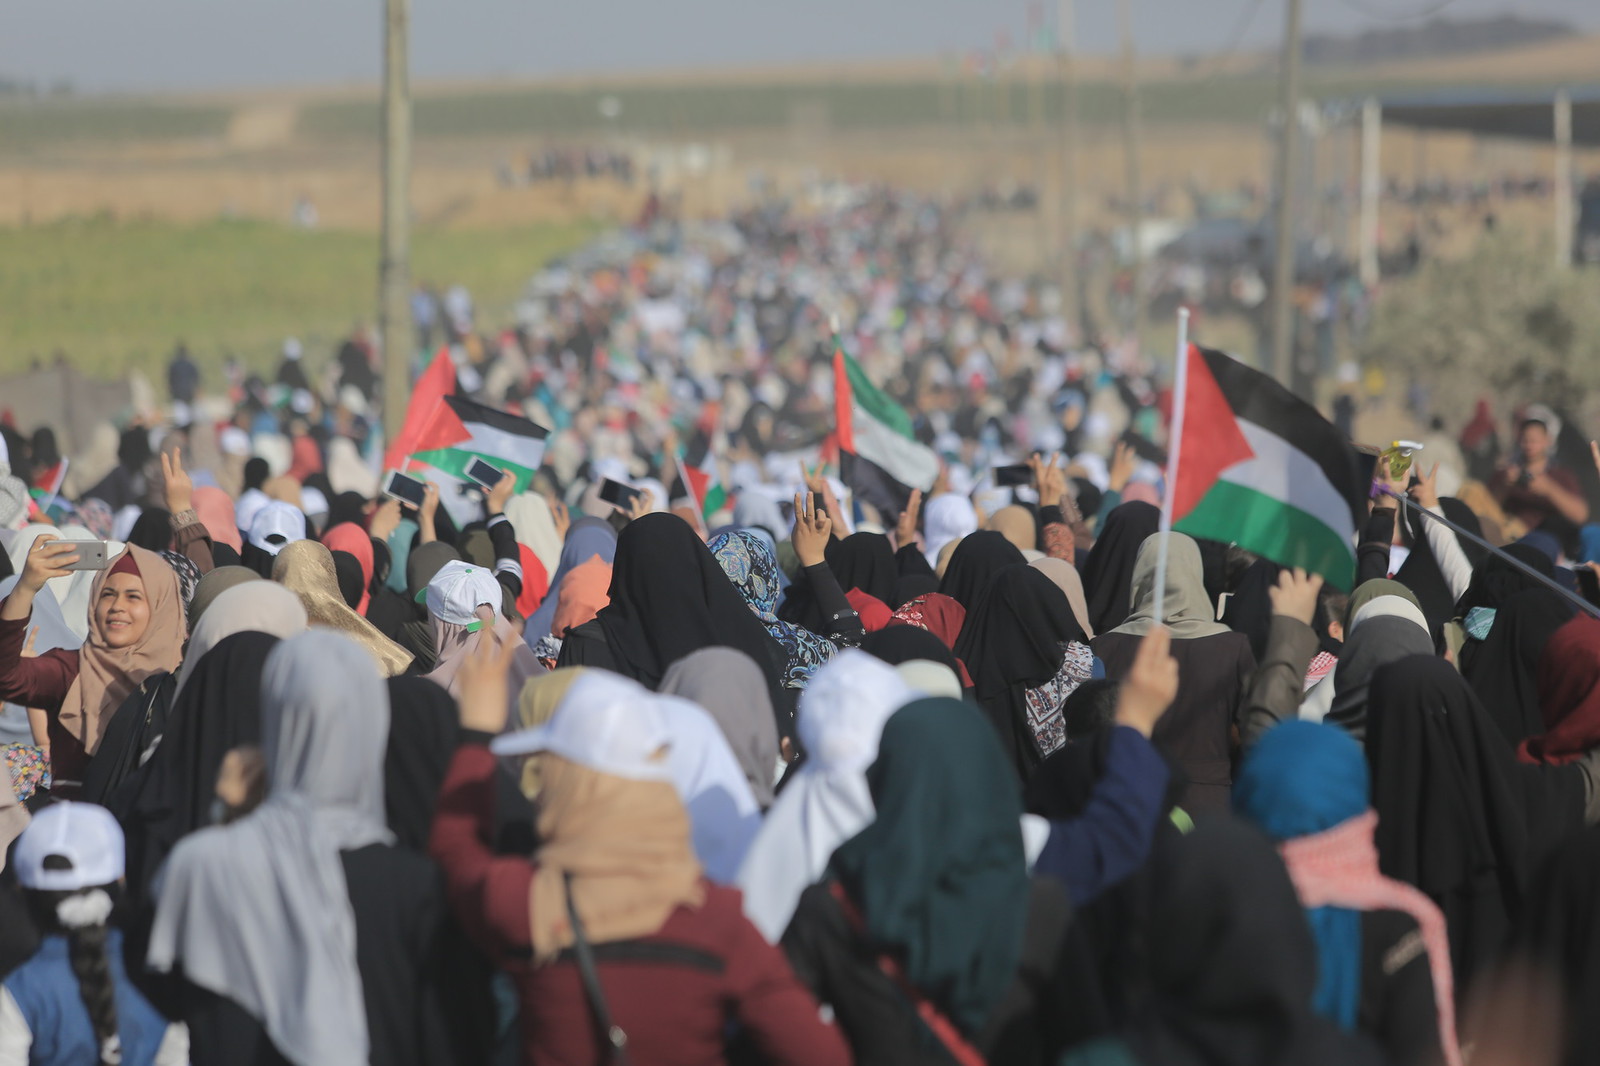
[
  {"x": 400, "y": 542},
  {"x": 940, "y": 875},
  {"x": 1303, "y": 778}
]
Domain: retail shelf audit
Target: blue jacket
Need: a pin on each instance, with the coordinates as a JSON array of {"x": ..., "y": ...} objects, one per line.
[{"x": 46, "y": 991}]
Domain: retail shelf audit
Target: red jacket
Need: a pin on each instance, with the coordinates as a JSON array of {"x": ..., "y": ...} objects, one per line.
[
  {"x": 42, "y": 682},
  {"x": 675, "y": 1010}
]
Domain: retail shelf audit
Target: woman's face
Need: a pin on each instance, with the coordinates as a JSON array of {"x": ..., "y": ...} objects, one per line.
[{"x": 122, "y": 613}]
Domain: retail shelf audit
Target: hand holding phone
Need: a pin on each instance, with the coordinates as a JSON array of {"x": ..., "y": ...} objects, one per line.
[
  {"x": 485, "y": 474},
  {"x": 1016, "y": 474},
  {"x": 405, "y": 489},
  {"x": 619, "y": 495},
  {"x": 90, "y": 554}
]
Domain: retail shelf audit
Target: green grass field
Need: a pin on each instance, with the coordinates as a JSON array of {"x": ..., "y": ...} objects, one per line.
[{"x": 117, "y": 296}]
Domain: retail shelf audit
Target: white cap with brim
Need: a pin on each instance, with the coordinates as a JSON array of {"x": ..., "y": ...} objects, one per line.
[
  {"x": 85, "y": 836},
  {"x": 606, "y": 723},
  {"x": 277, "y": 524},
  {"x": 458, "y": 590}
]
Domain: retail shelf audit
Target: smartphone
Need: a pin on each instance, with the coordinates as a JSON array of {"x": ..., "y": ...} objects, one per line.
[
  {"x": 405, "y": 489},
  {"x": 483, "y": 473},
  {"x": 1006, "y": 477},
  {"x": 619, "y": 495},
  {"x": 92, "y": 554}
]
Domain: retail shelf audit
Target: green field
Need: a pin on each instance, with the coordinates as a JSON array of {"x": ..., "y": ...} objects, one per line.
[
  {"x": 117, "y": 296},
  {"x": 676, "y": 109}
]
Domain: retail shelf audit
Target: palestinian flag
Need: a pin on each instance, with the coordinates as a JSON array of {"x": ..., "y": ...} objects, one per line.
[
  {"x": 427, "y": 393},
  {"x": 703, "y": 488},
  {"x": 1261, "y": 468},
  {"x": 458, "y": 430},
  {"x": 879, "y": 458}
]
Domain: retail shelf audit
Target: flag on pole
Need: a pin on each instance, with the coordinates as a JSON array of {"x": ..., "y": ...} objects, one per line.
[
  {"x": 459, "y": 431},
  {"x": 879, "y": 459},
  {"x": 1261, "y": 468},
  {"x": 436, "y": 382},
  {"x": 702, "y": 487}
]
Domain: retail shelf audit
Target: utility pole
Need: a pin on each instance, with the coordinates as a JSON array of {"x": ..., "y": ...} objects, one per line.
[
  {"x": 1066, "y": 33},
  {"x": 1283, "y": 232},
  {"x": 394, "y": 267},
  {"x": 1130, "y": 135}
]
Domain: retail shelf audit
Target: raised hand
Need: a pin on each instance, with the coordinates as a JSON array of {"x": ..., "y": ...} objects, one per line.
[
  {"x": 560, "y": 516},
  {"x": 1049, "y": 481},
  {"x": 1295, "y": 595},
  {"x": 1123, "y": 464},
  {"x": 1426, "y": 489},
  {"x": 385, "y": 520},
  {"x": 812, "y": 528},
  {"x": 499, "y": 494},
  {"x": 178, "y": 486}
]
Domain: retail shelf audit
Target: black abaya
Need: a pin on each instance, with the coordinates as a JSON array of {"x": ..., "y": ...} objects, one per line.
[
  {"x": 1014, "y": 640},
  {"x": 1503, "y": 668}
]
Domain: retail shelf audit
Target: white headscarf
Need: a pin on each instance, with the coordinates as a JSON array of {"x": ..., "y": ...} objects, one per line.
[
  {"x": 259, "y": 911},
  {"x": 945, "y": 518},
  {"x": 826, "y": 802},
  {"x": 723, "y": 812}
]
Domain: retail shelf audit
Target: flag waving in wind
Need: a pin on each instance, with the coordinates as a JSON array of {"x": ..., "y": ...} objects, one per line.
[
  {"x": 459, "y": 431},
  {"x": 879, "y": 458},
  {"x": 701, "y": 486},
  {"x": 1261, "y": 468}
]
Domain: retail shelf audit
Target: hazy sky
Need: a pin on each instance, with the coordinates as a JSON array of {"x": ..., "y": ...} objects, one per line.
[{"x": 188, "y": 44}]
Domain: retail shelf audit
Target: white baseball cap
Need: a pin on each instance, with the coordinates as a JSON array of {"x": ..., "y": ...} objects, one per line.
[
  {"x": 85, "y": 835},
  {"x": 605, "y": 722},
  {"x": 458, "y": 590},
  {"x": 276, "y": 524}
]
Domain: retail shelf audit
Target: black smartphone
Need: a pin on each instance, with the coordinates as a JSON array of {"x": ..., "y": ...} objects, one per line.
[
  {"x": 1006, "y": 477},
  {"x": 1588, "y": 584},
  {"x": 619, "y": 495},
  {"x": 405, "y": 489},
  {"x": 484, "y": 473}
]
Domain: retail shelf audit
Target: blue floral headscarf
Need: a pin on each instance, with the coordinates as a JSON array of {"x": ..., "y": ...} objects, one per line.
[{"x": 750, "y": 564}]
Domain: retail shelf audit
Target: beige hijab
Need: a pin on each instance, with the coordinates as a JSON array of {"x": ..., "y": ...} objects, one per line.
[
  {"x": 538, "y": 701},
  {"x": 1016, "y": 524},
  {"x": 1066, "y": 578},
  {"x": 1188, "y": 612},
  {"x": 306, "y": 569},
  {"x": 107, "y": 675},
  {"x": 249, "y": 607},
  {"x": 625, "y": 843},
  {"x": 529, "y": 514}
]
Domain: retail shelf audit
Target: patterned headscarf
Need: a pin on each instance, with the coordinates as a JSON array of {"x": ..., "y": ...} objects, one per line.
[
  {"x": 188, "y": 575},
  {"x": 750, "y": 564}
]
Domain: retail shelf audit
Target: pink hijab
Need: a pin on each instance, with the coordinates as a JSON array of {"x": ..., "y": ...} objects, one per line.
[{"x": 215, "y": 509}]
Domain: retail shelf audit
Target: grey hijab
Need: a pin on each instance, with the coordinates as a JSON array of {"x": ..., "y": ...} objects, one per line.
[
  {"x": 1376, "y": 642},
  {"x": 1189, "y": 613},
  {"x": 259, "y": 911},
  {"x": 733, "y": 690}
]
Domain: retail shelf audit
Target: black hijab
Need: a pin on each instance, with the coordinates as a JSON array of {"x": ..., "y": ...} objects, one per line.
[
  {"x": 423, "y": 735},
  {"x": 1494, "y": 581},
  {"x": 152, "y": 530},
  {"x": 1450, "y": 817},
  {"x": 1013, "y": 640},
  {"x": 1250, "y": 607},
  {"x": 172, "y": 795},
  {"x": 1108, "y": 572},
  {"x": 346, "y": 507},
  {"x": 864, "y": 561},
  {"x": 910, "y": 586},
  {"x": 352, "y": 582},
  {"x": 1503, "y": 668},
  {"x": 974, "y": 564},
  {"x": 1233, "y": 965},
  {"x": 897, "y": 644},
  {"x": 669, "y": 597}
]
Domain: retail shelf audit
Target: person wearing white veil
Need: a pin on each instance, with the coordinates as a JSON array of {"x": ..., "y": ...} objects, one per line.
[
  {"x": 826, "y": 802},
  {"x": 723, "y": 814}
]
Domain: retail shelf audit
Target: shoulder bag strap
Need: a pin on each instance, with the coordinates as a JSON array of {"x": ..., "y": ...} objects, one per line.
[{"x": 613, "y": 1041}]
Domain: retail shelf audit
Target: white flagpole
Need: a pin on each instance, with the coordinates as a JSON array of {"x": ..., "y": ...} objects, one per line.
[{"x": 1180, "y": 391}]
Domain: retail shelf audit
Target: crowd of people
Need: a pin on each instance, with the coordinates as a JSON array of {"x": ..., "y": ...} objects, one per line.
[{"x": 298, "y": 773}]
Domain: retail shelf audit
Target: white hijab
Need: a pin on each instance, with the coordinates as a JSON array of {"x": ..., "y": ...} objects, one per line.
[
  {"x": 945, "y": 518},
  {"x": 723, "y": 812},
  {"x": 842, "y": 713}
]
